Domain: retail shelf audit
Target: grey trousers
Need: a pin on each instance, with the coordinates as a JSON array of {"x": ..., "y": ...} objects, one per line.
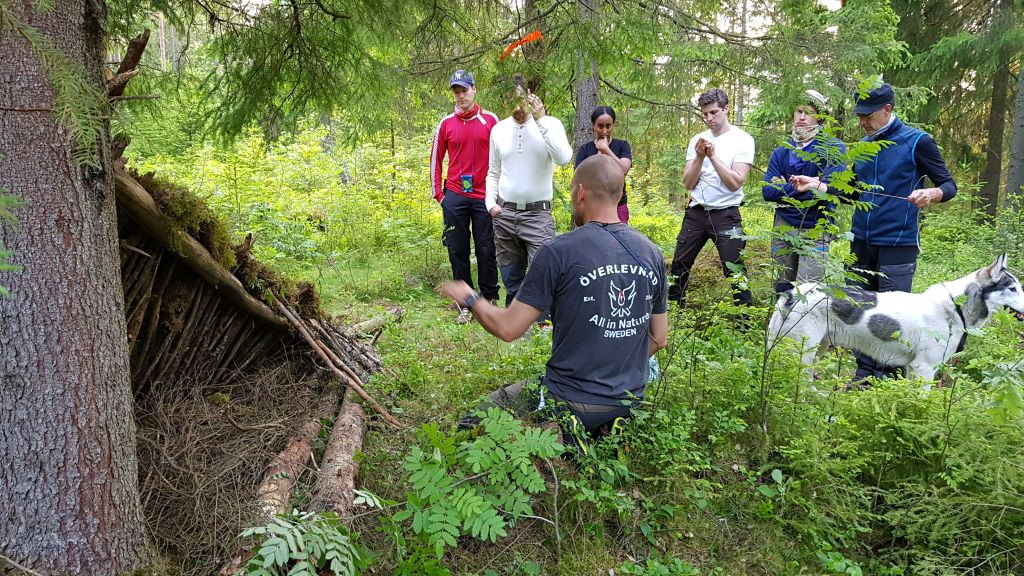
[
  {"x": 518, "y": 234},
  {"x": 531, "y": 398},
  {"x": 799, "y": 258}
]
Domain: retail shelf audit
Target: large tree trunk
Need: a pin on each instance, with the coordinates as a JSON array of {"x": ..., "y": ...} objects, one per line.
[
  {"x": 1015, "y": 173},
  {"x": 68, "y": 468},
  {"x": 586, "y": 78},
  {"x": 993, "y": 173}
]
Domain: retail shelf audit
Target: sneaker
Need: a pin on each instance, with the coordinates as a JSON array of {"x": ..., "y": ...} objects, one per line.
[{"x": 465, "y": 316}]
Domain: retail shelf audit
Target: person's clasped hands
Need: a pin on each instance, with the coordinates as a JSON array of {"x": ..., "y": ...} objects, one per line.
[{"x": 705, "y": 148}]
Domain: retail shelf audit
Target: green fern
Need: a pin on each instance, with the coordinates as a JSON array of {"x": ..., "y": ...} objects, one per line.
[
  {"x": 304, "y": 544},
  {"x": 474, "y": 488}
]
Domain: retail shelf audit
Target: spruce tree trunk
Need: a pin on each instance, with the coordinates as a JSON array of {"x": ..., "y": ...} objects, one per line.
[
  {"x": 586, "y": 78},
  {"x": 993, "y": 173},
  {"x": 1015, "y": 173},
  {"x": 68, "y": 470},
  {"x": 586, "y": 101}
]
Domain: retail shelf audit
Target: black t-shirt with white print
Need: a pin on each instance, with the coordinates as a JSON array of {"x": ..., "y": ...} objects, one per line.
[{"x": 601, "y": 296}]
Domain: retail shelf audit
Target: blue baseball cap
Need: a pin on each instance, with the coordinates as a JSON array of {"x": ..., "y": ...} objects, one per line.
[
  {"x": 874, "y": 100},
  {"x": 462, "y": 78}
]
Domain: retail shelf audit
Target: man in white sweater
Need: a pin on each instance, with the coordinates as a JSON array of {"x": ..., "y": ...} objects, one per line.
[{"x": 524, "y": 151}]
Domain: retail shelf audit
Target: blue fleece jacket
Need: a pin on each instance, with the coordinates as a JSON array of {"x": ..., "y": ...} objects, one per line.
[
  {"x": 897, "y": 170},
  {"x": 812, "y": 160}
]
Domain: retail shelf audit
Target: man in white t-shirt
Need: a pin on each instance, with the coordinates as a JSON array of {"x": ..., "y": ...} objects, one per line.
[{"x": 717, "y": 163}]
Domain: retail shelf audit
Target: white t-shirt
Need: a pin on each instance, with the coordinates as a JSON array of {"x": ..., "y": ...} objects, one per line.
[{"x": 731, "y": 147}]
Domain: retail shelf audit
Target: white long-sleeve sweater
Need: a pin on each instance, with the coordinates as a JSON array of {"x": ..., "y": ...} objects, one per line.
[{"x": 523, "y": 159}]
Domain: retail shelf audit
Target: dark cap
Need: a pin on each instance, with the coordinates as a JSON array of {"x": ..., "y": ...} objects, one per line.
[
  {"x": 462, "y": 78},
  {"x": 874, "y": 100}
]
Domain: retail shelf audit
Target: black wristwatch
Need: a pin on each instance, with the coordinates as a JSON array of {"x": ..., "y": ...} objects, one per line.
[{"x": 470, "y": 300}]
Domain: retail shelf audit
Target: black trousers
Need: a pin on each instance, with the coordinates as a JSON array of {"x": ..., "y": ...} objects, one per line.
[
  {"x": 531, "y": 399},
  {"x": 463, "y": 216},
  {"x": 885, "y": 269},
  {"x": 724, "y": 227}
]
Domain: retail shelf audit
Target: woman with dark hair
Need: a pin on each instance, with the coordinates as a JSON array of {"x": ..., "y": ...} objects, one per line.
[{"x": 603, "y": 120}]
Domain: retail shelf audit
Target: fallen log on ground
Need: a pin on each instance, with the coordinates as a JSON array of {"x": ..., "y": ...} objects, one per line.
[
  {"x": 336, "y": 480},
  {"x": 373, "y": 324},
  {"x": 275, "y": 492}
]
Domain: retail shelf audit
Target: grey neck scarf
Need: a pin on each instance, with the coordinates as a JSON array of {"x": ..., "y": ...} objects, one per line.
[{"x": 804, "y": 135}]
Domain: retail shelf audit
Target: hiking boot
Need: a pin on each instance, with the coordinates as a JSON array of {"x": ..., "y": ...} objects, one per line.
[
  {"x": 468, "y": 422},
  {"x": 464, "y": 317}
]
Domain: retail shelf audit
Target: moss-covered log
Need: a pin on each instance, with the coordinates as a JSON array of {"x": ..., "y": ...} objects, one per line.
[{"x": 138, "y": 203}]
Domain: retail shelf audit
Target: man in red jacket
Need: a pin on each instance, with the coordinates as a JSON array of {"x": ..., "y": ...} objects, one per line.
[{"x": 464, "y": 136}]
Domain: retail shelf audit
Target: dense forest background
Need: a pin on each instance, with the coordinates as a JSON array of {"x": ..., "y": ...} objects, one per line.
[{"x": 308, "y": 124}]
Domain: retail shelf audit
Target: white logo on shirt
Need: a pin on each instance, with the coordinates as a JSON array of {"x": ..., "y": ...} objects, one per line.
[{"x": 622, "y": 299}]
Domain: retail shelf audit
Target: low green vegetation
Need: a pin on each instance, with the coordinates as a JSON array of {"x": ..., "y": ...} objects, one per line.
[{"x": 736, "y": 464}]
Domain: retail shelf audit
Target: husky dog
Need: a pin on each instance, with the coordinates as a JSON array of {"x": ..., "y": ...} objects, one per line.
[{"x": 916, "y": 331}]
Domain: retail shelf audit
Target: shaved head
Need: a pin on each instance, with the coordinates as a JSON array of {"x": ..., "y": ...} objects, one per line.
[{"x": 602, "y": 178}]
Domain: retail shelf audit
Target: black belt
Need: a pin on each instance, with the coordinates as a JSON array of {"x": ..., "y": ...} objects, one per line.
[
  {"x": 706, "y": 209},
  {"x": 527, "y": 206}
]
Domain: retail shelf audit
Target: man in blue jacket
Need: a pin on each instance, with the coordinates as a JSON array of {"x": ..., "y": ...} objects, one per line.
[
  {"x": 886, "y": 237},
  {"x": 799, "y": 246}
]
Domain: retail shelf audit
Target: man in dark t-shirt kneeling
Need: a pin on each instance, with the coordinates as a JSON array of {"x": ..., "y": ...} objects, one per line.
[{"x": 604, "y": 285}]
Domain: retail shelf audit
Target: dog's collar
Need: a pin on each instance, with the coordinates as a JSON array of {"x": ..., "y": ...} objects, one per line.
[{"x": 963, "y": 337}]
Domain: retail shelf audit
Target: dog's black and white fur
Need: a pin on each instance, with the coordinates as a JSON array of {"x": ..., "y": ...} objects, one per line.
[{"x": 900, "y": 329}]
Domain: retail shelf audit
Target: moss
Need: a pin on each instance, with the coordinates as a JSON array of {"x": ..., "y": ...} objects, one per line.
[
  {"x": 197, "y": 219},
  {"x": 307, "y": 301},
  {"x": 193, "y": 215},
  {"x": 262, "y": 281}
]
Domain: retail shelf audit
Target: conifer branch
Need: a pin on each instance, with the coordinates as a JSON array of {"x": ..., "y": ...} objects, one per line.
[
  {"x": 677, "y": 105},
  {"x": 334, "y": 15}
]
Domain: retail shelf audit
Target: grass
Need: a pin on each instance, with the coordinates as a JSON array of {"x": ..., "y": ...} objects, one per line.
[
  {"x": 439, "y": 370},
  {"x": 722, "y": 421}
]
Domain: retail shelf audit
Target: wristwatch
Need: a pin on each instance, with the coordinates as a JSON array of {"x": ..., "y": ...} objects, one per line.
[{"x": 470, "y": 300}]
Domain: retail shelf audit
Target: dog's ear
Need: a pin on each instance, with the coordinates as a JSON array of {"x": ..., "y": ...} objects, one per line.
[
  {"x": 993, "y": 272},
  {"x": 998, "y": 268},
  {"x": 975, "y": 309}
]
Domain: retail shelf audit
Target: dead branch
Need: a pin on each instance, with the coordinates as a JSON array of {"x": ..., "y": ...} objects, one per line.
[
  {"x": 319, "y": 348},
  {"x": 133, "y": 54},
  {"x": 135, "y": 97},
  {"x": 128, "y": 68},
  {"x": 17, "y": 568},
  {"x": 274, "y": 493},
  {"x": 116, "y": 85},
  {"x": 373, "y": 324}
]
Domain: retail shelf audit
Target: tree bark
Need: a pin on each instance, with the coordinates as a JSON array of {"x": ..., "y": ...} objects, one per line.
[
  {"x": 1015, "y": 173},
  {"x": 68, "y": 469},
  {"x": 993, "y": 172},
  {"x": 586, "y": 78}
]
